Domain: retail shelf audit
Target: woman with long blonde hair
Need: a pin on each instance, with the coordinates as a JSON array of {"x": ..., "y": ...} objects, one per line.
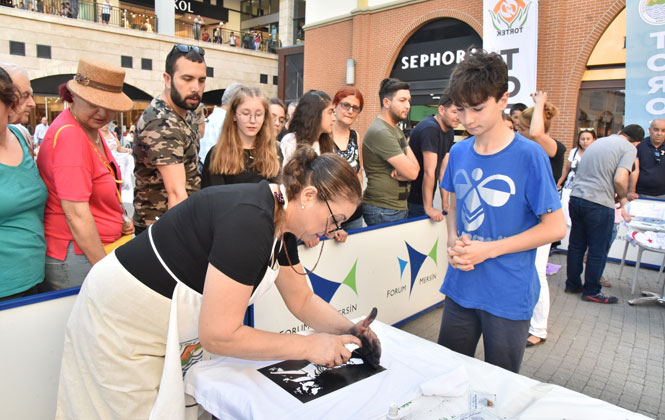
[{"x": 246, "y": 151}]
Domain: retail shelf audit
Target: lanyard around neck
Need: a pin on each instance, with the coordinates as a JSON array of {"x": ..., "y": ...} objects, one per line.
[{"x": 118, "y": 182}]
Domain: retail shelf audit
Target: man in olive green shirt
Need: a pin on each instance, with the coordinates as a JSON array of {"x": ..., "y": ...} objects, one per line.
[{"x": 387, "y": 158}]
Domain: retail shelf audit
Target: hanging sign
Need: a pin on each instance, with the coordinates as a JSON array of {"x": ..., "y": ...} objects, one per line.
[
  {"x": 510, "y": 28},
  {"x": 645, "y": 61}
]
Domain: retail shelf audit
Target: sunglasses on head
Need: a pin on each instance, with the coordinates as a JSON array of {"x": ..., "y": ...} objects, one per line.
[
  {"x": 582, "y": 130},
  {"x": 184, "y": 48}
]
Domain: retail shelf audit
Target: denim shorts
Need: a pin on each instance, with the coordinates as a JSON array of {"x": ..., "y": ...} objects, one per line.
[{"x": 68, "y": 273}]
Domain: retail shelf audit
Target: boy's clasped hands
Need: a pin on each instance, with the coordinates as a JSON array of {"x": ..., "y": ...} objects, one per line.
[{"x": 464, "y": 254}]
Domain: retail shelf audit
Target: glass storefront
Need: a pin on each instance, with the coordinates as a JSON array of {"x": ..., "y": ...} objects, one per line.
[
  {"x": 52, "y": 106},
  {"x": 601, "y": 108},
  {"x": 255, "y": 8}
]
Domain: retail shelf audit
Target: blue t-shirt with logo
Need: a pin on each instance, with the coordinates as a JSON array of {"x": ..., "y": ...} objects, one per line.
[{"x": 499, "y": 196}]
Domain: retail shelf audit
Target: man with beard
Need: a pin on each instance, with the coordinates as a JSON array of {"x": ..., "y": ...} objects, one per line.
[
  {"x": 431, "y": 141},
  {"x": 167, "y": 139},
  {"x": 388, "y": 160}
]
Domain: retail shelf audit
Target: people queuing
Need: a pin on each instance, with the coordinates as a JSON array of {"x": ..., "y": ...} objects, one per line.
[{"x": 297, "y": 174}]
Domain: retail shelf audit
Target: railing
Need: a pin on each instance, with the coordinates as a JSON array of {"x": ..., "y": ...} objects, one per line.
[
  {"x": 147, "y": 21},
  {"x": 223, "y": 36}
]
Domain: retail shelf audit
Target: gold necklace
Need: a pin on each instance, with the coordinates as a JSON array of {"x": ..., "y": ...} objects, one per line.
[{"x": 84, "y": 128}]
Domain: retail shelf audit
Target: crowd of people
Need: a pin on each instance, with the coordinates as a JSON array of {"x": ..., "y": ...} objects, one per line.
[
  {"x": 220, "y": 204},
  {"x": 251, "y": 40}
]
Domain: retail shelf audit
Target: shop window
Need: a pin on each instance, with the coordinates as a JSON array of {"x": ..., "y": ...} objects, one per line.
[
  {"x": 601, "y": 106},
  {"x": 16, "y": 48},
  {"x": 275, "y": 80},
  {"x": 146, "y": 64},
  {"x": 43, "y": 51},
  {"x": 126, "y": 62},
  {"x": 254, "y": 8},
  {"x": 264, "y": 79},
  {"x": 210, "y": 71}
]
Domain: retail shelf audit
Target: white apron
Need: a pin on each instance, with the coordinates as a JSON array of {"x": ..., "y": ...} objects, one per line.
[{"x": 183, "y": 348}]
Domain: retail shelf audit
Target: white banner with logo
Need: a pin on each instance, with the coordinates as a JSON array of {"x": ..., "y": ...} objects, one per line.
[
  {"x": 399, "y": 269},
  {"x": 510, "y": 27},
  {"x": 645, "y": 61}
]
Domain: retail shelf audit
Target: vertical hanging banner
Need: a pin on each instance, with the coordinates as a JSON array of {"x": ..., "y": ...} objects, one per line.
[
  {"x": 645, "y": 61},
  {"x": 510, "y": 27}
]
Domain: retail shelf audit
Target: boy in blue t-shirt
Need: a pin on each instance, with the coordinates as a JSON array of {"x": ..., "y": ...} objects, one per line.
[{"x": 503, "y": 205}]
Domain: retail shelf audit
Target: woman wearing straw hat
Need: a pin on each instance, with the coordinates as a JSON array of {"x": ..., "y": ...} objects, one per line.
[{"x": 84, "y": 211}]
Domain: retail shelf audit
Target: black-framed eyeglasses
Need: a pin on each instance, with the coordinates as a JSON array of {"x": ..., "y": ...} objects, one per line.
[
  {"x": 184, "y": 48},
  {"x": 337, "y": 225}
]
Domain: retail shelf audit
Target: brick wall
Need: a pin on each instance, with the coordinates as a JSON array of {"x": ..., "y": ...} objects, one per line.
[{"x": 568, "y": 31}]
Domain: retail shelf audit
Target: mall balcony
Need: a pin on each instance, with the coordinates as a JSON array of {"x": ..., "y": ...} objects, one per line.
[{"x": 49, "y": 45}]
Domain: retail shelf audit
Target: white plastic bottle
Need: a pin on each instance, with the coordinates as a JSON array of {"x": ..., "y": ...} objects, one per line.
[{"x": 393, "y": 412}]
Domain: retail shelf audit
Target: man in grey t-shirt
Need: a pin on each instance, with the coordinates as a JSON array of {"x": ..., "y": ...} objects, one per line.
[{"x": 601, "y": 174}]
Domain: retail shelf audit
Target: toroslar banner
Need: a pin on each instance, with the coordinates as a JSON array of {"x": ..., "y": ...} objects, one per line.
[
  {"x": 645, "y": 61},
  {"x": 510, "y": 27}
]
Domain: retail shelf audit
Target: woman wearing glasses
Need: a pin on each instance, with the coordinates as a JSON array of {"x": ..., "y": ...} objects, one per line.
[
  {"x": 348, "y": 103},
  {"x": 206, "y": 260},
  {"x": 246, "y": 150},
  {"x": 83, "y": 212}
]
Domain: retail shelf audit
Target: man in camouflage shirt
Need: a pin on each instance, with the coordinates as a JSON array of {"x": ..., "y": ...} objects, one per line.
[{"x": 167, "y": 139}]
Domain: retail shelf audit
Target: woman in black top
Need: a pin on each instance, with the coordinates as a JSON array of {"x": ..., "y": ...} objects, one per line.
[
  {"x": 246, "y": 150},
  {"x": 348, "y": 103},
  {"x": 206, "y": 257}
]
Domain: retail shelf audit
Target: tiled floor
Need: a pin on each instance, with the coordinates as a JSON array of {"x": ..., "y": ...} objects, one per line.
[{"x": 612, "y": 352}]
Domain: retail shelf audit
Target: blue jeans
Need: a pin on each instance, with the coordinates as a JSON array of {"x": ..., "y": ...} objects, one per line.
[
  {"x": 68, "y": 273},
  {"x": 354, "y": 224},
  {"x": 591, "y": 228},
  {"x": 416, "y": 209},
  {"x": 374, "y": 215},
  {"x": 503, "y": 338}
]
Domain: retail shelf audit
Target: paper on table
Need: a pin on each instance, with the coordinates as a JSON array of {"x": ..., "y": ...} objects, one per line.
[
  {"x": 451, "y": 384},
  {"x": 647, "y": 208}
]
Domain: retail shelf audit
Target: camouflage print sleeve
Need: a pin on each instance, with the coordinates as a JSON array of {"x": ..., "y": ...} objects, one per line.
[{"x": 163, "y": 142}]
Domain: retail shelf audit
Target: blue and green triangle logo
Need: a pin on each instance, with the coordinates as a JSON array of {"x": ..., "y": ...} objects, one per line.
[
  {"x": 417, "y": 259},
  {"x": 326, "y": 289}
]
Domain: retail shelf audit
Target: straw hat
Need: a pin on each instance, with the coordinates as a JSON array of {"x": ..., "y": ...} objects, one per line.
[{"x": 100, "y": 84}]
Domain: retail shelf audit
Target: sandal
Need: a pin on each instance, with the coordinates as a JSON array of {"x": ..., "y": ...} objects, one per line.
[{"x": 531, "y": 343}]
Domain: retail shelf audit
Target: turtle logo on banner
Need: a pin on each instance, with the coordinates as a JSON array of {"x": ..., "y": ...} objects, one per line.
[
  {"x": 652, "y": 11},
  {"x": 510, "y": 13}
]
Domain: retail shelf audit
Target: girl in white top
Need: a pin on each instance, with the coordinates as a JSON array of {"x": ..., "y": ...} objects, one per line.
[{"x": 585, "y": 137}]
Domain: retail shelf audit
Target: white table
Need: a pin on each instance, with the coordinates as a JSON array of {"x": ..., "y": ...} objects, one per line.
[{"x": 232, "y": 388}]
